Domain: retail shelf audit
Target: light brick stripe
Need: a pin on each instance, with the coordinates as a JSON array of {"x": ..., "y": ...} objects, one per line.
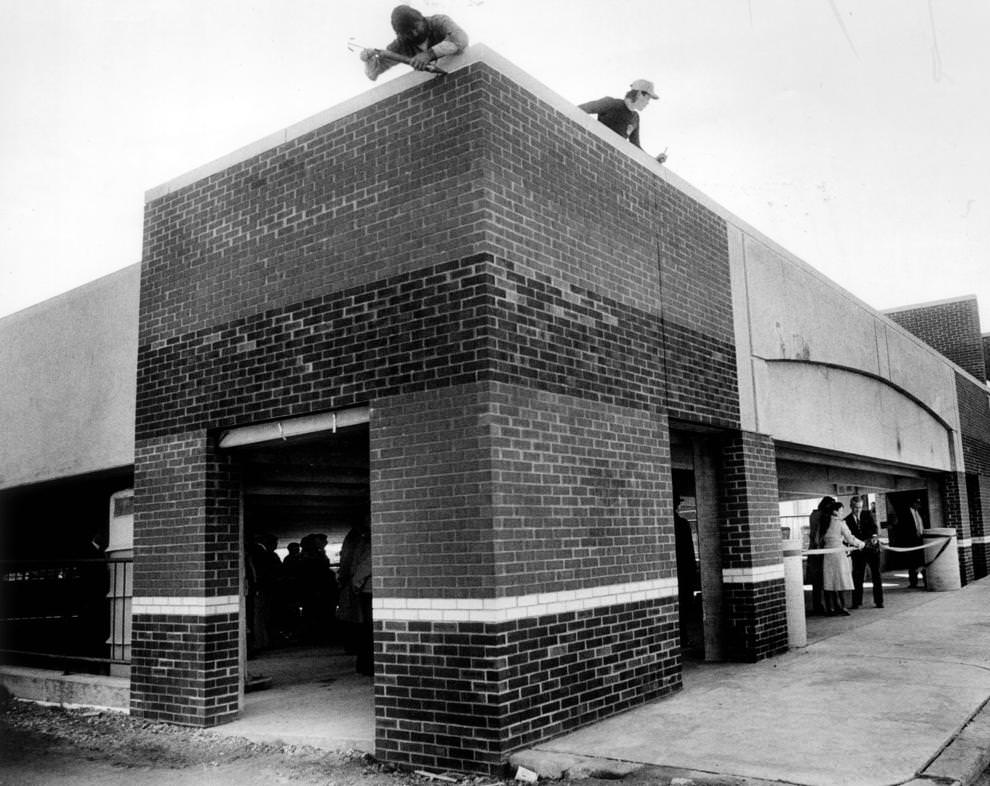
[
  {"x": 752, "y": 575},
  {"x": 494, "y": 610},
  {"x": 187, "y": 607}
]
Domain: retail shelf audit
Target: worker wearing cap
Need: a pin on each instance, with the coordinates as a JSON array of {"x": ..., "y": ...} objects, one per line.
[
  {"x": 422, "y": 38},
  {"x": 622, "y": 114}
]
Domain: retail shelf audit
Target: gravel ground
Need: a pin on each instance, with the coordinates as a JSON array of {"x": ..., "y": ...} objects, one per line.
[{"x": 53, "y": 746}]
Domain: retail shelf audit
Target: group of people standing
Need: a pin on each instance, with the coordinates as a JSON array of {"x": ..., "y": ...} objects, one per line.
[
  {"x": 301, "y": 599},
  {"x": 835, "y": 572},
  {"x": 852, "y": 544}
]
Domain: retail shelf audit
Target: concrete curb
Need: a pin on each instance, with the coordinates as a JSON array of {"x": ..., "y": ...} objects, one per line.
[
  {"x": 965, "y": 756},
  {"x": 960, "y": 762},
  {"x": 67, "y": 690}
]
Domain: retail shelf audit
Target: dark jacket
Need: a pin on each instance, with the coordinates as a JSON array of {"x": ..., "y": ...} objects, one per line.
[
  {"x": 866, "y": 528},
  {"x": 614, "y": 113},
  {"x": 440, "y": 29}
]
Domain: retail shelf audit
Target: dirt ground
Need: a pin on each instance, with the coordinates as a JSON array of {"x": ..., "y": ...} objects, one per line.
[{"x": 52, "y": 746}]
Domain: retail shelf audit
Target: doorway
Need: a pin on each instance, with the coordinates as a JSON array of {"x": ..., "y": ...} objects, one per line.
[
  {"x": 696, "y": 520},
  {"x": 301, "y": 495}
]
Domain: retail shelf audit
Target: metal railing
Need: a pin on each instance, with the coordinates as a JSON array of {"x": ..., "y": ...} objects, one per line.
[{"x": 72, "y": 614}]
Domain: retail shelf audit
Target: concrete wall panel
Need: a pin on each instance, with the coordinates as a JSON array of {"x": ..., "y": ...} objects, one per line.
[
  {"x": 802, "y": 331},
  {"x": 67, "y": 382},
  {"x": 837, "y": 409}
]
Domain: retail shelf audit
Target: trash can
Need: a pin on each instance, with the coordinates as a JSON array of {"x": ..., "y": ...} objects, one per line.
[
  {"x": 942, "y": 573},
  {"x": 797, "y": 629}
]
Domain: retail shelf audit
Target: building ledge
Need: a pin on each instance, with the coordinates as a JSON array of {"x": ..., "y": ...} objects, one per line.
[{"x": 47, "y": 686}]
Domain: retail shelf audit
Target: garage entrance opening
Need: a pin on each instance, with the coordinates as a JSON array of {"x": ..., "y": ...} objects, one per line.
[
  {"x": 887, "y": 492},
  {"x": 302, "y": 493}
]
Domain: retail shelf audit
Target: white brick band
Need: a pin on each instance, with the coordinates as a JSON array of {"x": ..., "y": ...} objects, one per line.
[
  {"x": 187, "y": 607},
  {"x": 495, "y": 610},
  {"x": 752, "y": 575},
  {"x": 981, "y": 540}
]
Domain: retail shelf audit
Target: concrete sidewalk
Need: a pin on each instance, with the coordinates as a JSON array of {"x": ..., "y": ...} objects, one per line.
[{"x": 882, "y": 697}]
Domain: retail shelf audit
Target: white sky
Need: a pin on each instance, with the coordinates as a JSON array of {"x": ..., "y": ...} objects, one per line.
[{"x": 852, "y": 132}]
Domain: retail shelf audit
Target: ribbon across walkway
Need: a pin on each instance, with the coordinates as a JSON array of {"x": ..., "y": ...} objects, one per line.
[{"x": 884, "y": 545}]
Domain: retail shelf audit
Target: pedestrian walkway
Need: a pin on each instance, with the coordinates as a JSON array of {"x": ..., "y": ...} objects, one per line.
[{"x": 879, "y": 697}]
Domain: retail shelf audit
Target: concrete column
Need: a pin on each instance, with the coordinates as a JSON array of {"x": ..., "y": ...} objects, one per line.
[{"x": 710, "y": 549}]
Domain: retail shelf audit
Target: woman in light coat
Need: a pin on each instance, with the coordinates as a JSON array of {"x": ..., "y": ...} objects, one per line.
[{"x": 837, "y": 567}]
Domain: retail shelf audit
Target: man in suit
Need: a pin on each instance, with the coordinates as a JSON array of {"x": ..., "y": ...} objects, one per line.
[{"x": 862, "y": 524}]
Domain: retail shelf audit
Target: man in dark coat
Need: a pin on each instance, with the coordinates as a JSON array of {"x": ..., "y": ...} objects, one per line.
[{"x": 862, "y": 524}]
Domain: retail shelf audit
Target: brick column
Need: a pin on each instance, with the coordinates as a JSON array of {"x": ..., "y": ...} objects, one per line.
[
  {"x": 978, "y": 492},
  {"x": 753, "y": 571},
  {"x": 185, "y": 654},
  {"x": 956, "y": 515},
  {"x": 524, "y": 570}
]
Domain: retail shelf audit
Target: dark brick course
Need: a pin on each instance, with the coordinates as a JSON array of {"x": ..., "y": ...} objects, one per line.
[
  {"x": 185, "y": 669},
  {"x": 464, "y": 695}
]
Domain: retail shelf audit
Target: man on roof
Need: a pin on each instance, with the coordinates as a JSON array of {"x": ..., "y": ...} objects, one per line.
[
  {"x": 424, "y": 39},
  {"x": 622, "y": 114}
]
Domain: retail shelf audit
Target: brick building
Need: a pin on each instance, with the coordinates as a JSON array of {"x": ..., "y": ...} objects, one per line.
[
  {"x": 470, "y": 309},
  {"x": 953, "y": 328}
]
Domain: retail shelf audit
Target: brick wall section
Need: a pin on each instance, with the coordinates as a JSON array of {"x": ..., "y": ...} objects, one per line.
[
  {"x": 757, "y": 617},
  {"x": 974, "y": 421},
  {"x": 985, "y": 338},
  {"x": 956, "y": 514},
  {"x": 523, "y": 492},
  {"x": 455, "y": 322},
  {"x": 505, "y": 265},
  {"x": 278, "y": 242},
  {"x": 186, "y": 519},
  {"x": 463, "y": 695},
  {"x": 185, "y": 669},
  {"x": 756, "y": 611},
  {"x": 575, "y": 211},
  {"x": 496, "y": 490},
  {"x": 347, "y": 203},
  {"x": 951, "y": 328},
  {"x": 978, "y": 496}
]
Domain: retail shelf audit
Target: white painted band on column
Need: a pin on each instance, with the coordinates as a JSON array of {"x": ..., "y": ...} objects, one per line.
[
  {"x": 752, "y": 575},
  {"x": 187, "y": 607},
  {"x": 495, "y": 610}
]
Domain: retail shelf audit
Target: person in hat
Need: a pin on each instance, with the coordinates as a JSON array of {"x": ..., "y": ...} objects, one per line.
[
  {"x": 622, "y": 114},
  {"x": 422, "y": 38}
]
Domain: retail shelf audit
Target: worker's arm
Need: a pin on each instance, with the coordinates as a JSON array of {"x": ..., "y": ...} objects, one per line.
[
  {"x": 455, "y": 40},
  {"x": 595, "y": 107}
]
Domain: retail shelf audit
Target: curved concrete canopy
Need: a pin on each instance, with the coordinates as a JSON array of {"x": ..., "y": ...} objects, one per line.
[{"x": 839, "y": 409}]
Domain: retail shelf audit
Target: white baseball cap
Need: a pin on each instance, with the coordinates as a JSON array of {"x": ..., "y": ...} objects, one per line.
[{"x": 644, "y": 86}]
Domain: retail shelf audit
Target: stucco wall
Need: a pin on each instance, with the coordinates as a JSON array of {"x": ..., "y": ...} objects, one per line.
[
  {"x": 825, "y": 371},
  {"x": 67, "y": 382}
]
